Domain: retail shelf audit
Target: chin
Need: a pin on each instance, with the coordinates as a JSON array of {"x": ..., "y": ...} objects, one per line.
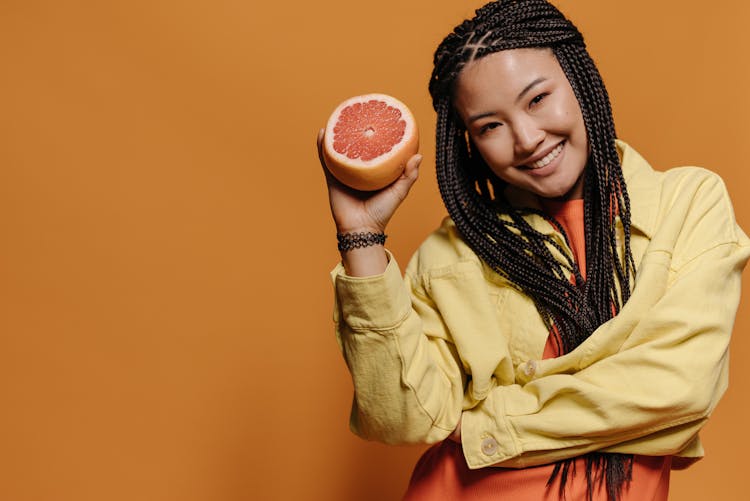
[{"x": 560, "y": 193}]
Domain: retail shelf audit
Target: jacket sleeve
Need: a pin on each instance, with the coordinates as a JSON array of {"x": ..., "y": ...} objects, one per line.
[
  {"x": 408, "y": 387},
  {"x": 645, "y": 381}
]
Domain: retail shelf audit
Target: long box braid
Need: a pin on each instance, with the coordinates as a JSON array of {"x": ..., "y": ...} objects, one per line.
[{"x": 498, "y": 232}]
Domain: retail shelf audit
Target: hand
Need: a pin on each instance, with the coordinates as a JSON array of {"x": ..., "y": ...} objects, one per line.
[{"x": 354, "y": 210}]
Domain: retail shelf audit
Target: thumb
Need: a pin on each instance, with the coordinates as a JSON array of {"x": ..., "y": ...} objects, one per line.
[{"x": 409, "y": 176}]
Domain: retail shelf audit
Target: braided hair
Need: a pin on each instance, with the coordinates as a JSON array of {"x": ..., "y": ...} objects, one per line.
[{"x": 499, "y": 233}]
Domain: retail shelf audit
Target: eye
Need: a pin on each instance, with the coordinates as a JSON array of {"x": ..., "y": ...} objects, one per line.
[
  {"x": 488, "y": 127},
  {"x": 538, "y": 99}
]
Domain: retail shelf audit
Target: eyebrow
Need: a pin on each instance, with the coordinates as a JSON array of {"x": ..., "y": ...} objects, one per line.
[
  {"x": 525, "y": 90},
  {"x": 529, "y": 87}
]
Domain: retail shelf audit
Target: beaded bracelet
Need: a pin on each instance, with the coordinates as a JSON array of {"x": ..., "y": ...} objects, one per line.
[{"x": 349, "y": 241}]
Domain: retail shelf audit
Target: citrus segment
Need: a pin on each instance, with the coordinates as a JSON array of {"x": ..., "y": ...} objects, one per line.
[
  {"x": 367, "y": 130},
  {"x": 368, "y": 141}
]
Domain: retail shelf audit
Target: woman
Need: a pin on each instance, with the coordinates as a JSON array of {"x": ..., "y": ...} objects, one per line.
[{"x": 521, "y": 340}]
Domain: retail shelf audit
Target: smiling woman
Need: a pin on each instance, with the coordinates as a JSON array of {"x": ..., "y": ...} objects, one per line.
[{"x": 521, "y": 341}]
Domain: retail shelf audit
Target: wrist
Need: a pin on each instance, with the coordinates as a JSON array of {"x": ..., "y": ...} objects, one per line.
[
  {"x": 365, "y": 261},
  {"x": 374, "y": 228},
  {"x": 350, "y": 240}
]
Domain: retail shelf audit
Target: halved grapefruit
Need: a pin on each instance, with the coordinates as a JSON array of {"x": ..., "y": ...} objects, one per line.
[{"x": 368, "y": 140}]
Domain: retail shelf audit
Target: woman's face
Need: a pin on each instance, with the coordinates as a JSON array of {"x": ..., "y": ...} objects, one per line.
[{"x": 521, "y": 113}]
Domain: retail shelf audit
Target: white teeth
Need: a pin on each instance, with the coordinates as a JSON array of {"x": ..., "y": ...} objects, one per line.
[{"x": 548, "y": 158}]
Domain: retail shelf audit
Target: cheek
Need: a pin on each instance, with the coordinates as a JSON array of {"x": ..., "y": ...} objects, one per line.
[
  {"x": 567, "y": 112},
  {"x": 567, "y": 118},
  {"x": 496, "y": 154}
]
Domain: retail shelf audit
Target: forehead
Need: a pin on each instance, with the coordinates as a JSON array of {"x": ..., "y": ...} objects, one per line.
[{"x": 503, "y": 75}]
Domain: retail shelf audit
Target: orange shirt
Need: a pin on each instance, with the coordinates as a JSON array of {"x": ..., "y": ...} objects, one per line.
[{"x": 442, "y": 472}]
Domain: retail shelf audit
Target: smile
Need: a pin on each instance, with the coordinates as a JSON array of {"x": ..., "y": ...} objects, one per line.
[{"x": 542, "y": 162}]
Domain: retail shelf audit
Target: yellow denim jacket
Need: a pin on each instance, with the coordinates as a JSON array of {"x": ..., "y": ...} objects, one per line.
[{"x": 452, "y": 340}]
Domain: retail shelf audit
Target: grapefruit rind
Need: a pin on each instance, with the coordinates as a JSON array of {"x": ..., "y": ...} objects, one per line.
[{"x": 375, "y": 174}]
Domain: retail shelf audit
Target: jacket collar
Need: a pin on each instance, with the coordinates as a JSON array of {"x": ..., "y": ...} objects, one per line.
[{"x": 642, "y": 185}]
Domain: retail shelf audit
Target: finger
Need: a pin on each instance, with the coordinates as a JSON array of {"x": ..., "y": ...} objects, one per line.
[
  {"x": 329, "y": 177},
  {"x": 319, "y": 142},
  {"x": 412, "y": 167},
  {"x": 410, "y": 174},
  {"x": 403, "y": 184}
]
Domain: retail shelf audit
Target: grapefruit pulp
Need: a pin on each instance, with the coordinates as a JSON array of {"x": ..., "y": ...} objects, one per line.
[{"x": 368, "y": 140}]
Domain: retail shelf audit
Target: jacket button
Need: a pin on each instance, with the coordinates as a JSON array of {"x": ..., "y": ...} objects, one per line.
[
  {"x": 530, "y": 368},
  {"x": 489, "y": 446}
]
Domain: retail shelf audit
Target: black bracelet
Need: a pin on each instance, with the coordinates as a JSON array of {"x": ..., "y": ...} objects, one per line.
[{"x": 349, "y": 241}]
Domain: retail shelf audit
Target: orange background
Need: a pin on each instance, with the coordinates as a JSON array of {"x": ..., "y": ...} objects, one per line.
[{"x": 165, "y": 242}]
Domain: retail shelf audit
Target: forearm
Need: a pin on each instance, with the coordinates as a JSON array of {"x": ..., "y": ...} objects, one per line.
[
  {"x": 653, "y": 391},
  {"x": 524, "y": 427},
  {"x": 365, "y": 261},
  {"x": 405, "y": 389},
  {"x": 408, "y": 387}
]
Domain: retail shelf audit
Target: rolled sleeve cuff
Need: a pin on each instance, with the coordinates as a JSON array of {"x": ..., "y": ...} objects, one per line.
[
  {"x": 487, "y": 439},
  {"x": 378, "y": 302}
]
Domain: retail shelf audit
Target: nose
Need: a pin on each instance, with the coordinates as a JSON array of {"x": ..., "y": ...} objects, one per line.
[{"x": 528, "y": 136}]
